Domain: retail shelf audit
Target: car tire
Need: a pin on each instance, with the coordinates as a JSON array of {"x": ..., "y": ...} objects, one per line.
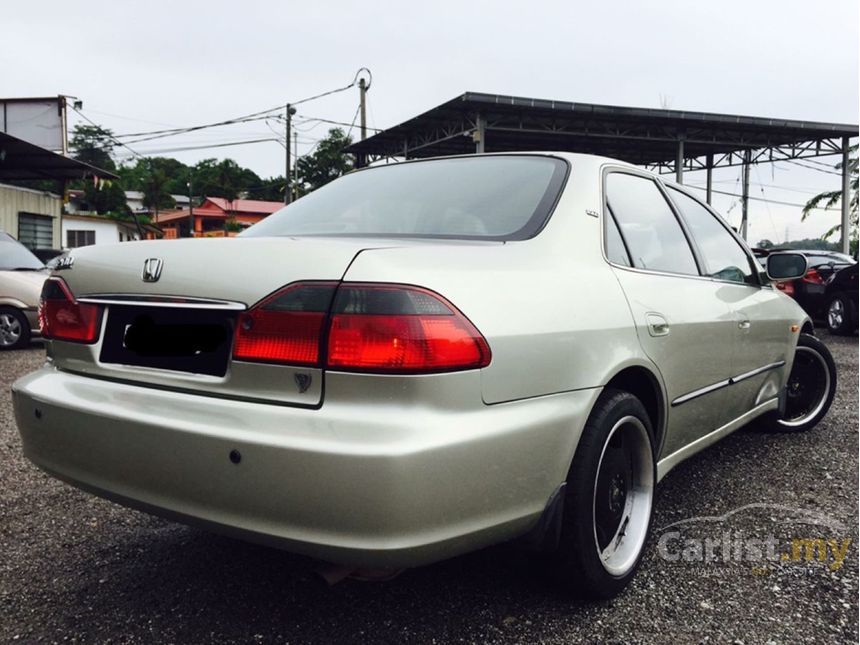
[
  {"x": 810, "y": 388},
  {"x": 610, "y": 485},
  {"x": 14, "y": 329},
  {"x": 838, "y": 315}
]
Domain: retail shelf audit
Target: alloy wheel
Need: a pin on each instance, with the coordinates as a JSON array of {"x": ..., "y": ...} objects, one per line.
[
  {"x": 808, "y": 387},
  {"x": 623, "y": 494},
  {"x": 10, "y": 330},
  {"x": 836, "y": 314}
]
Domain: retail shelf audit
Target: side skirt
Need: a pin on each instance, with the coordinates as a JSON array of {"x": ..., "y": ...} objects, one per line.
[{"x": 667, "y": 463}]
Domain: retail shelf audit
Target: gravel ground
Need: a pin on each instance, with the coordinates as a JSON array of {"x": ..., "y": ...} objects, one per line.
[{"x": 79, "y": 569}]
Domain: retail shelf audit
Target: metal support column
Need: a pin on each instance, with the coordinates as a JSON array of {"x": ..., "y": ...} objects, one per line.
[
  {"x": 480, "y": 134},
  {"x": 679, "y": 162},
  {"x": 709, "y": 165},
  {"x": 846, "y": 199},
  {"x": 745, "y": 194}
]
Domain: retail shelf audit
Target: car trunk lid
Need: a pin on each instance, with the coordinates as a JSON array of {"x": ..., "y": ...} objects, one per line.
[{"x": 169, "y": 311}]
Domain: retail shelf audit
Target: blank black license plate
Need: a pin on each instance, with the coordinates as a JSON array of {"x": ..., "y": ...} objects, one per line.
[{"x": 183, "y": 340}]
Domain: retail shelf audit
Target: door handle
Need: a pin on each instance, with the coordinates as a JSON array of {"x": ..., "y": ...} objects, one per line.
[
  {"x": 657, "y": 324},
  {"x": 744, "y": 324}
]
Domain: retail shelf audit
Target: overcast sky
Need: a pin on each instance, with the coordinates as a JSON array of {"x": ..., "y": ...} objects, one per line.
[{"x": 142, "y": 66}]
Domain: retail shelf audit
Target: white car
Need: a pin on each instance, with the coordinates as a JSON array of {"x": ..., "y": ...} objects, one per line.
[{"x": 423, "y": 359}]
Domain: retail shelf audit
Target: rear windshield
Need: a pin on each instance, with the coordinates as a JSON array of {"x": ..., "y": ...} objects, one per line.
[
  {"x": 486, "y": 197},
  {"x": 16, "y": 256}
]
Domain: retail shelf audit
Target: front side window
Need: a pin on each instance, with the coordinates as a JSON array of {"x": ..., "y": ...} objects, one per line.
[
  {"x": 483, "y": 197},
  {"x": 724, "y": 257},
  {"x": 648, "y": 226}
]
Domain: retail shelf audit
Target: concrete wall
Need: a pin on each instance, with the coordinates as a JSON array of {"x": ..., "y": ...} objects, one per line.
[{"x": 14, "y": 200}]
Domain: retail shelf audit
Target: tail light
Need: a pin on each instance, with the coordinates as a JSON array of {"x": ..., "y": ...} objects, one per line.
[
  {"x": 61, "y": 317},
  {"x": 360, "y": 327},
  {"x": 392, "y": 328},
  {"x": 813, "y": 277},
  {"x": 786, "y": 287},
  {"x": 286, "y": 327}
]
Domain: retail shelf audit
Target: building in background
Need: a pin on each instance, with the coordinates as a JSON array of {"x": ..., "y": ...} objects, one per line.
[
  {"x": 30, "y": 216},
  {"x": 215, "y": 217},
  {"x": 85, "y": 230}
]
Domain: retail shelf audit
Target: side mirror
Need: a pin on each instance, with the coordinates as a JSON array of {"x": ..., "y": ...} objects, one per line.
[{"x": 786, "y": 266}]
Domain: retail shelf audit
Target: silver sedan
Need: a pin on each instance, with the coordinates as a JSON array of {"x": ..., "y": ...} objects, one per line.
[{"x": 423, "y": 359}]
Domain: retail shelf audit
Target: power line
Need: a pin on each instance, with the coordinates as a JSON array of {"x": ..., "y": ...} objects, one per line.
[
  {"x": 110, "y": 136},
  {"x": 760, "y": 199}
]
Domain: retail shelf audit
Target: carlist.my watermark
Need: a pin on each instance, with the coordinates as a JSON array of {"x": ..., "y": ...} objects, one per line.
[{"x": 812, "y": 539}]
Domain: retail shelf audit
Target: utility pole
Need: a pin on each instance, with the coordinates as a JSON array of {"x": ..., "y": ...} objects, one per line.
[
  {"x": 296, "y": 165},
  {"x": 290, "y": 111},
  {"x": 362, "y": 94},
  {"x": 190, "y": 204}
]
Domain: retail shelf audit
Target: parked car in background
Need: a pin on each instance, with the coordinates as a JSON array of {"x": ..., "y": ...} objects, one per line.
[
  {"x": 811, "y": 290},
  {"x": 840, "y": 296},
  {"x": 22, "y": 275},
  {"x": 387, "y": 374},
  {"x": 46, "y": 255}
]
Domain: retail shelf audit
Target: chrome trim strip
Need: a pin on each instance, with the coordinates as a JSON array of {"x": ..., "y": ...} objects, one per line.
[
  {"x": 701, "y": 392},
  {"x": 730, "y": 381},
  {"x": 757, "y": 371},
  {"x": 143, "y": 300}
]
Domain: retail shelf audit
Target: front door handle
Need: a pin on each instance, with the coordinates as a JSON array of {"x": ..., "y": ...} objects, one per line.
[
  {"x": 657, "y": 324},
  {"x": 744, "y": 324}
]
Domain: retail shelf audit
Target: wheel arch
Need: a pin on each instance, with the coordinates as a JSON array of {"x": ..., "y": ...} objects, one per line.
[{"x": 645, "y": 385}]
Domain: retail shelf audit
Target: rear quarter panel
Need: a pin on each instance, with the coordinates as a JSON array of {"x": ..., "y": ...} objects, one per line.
[{"x": 550, "y": 307}]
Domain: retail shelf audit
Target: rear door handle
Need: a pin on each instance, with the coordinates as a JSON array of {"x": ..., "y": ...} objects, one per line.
[
  {"x": 657, "y": 324},
  {"x": 744, "y": 324}
]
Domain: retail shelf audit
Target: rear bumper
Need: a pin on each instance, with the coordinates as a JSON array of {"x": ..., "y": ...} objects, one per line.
[{"x": 381, "y": 482}]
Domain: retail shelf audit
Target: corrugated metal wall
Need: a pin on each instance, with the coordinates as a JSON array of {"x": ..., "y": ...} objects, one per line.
[{"x": 15, "y": 200}]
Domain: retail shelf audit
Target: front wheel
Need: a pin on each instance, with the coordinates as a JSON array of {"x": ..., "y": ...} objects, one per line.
[
  {"x": 810, "y": 388},
  {"x": 608, "y": 500}
]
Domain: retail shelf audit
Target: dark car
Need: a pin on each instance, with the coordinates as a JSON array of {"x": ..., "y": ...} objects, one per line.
[
  {"x": 840, "y": 296},
  {"x": 811, "y": 291}
]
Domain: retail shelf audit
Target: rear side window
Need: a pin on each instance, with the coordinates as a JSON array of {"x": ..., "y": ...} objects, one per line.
[
  {"x": 648, "y": 226},
  {"x": 724, "y": 257},
  {"x": 505, "y": 197}
]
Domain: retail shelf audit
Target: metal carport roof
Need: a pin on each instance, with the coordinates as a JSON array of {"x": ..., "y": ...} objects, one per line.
[
  {"x": 22, "y": 160},
  {"x": 665, "y": 140}
]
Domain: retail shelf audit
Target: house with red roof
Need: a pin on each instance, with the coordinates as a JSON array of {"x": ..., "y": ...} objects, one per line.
[{"x": 211, "y": 218}]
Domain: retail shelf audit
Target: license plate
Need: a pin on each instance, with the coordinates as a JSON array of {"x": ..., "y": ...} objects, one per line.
[{"x": 183, "y": 340}]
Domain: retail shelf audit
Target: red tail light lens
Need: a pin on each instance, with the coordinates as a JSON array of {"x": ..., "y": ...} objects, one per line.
[
  {"x": 813, "y": 277},
  {"x": 399, "y": 329},
  {"x": 368, "y": 328},
  {"x": 63, "y": 318},
  {"x": 286, "y": 327}
]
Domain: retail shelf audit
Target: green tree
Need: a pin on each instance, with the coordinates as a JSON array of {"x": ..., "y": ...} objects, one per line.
[
  {"x": 156, "y": 193},
  {"x": 94, "y": 145},
  {"x": 327, "y": 162},
  {"x": 136, "y": 176},
  {"x": 106, "y": 198},
  {"x": 833, "y": 197}
]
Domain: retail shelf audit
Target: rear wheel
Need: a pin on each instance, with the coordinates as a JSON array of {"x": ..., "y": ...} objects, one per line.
[
  {"x": 608, "y": 503},
  {"x": 14, "y": 329},
  {"x": 840, "y": 318},
  {"x": 810, "y": 388}
]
